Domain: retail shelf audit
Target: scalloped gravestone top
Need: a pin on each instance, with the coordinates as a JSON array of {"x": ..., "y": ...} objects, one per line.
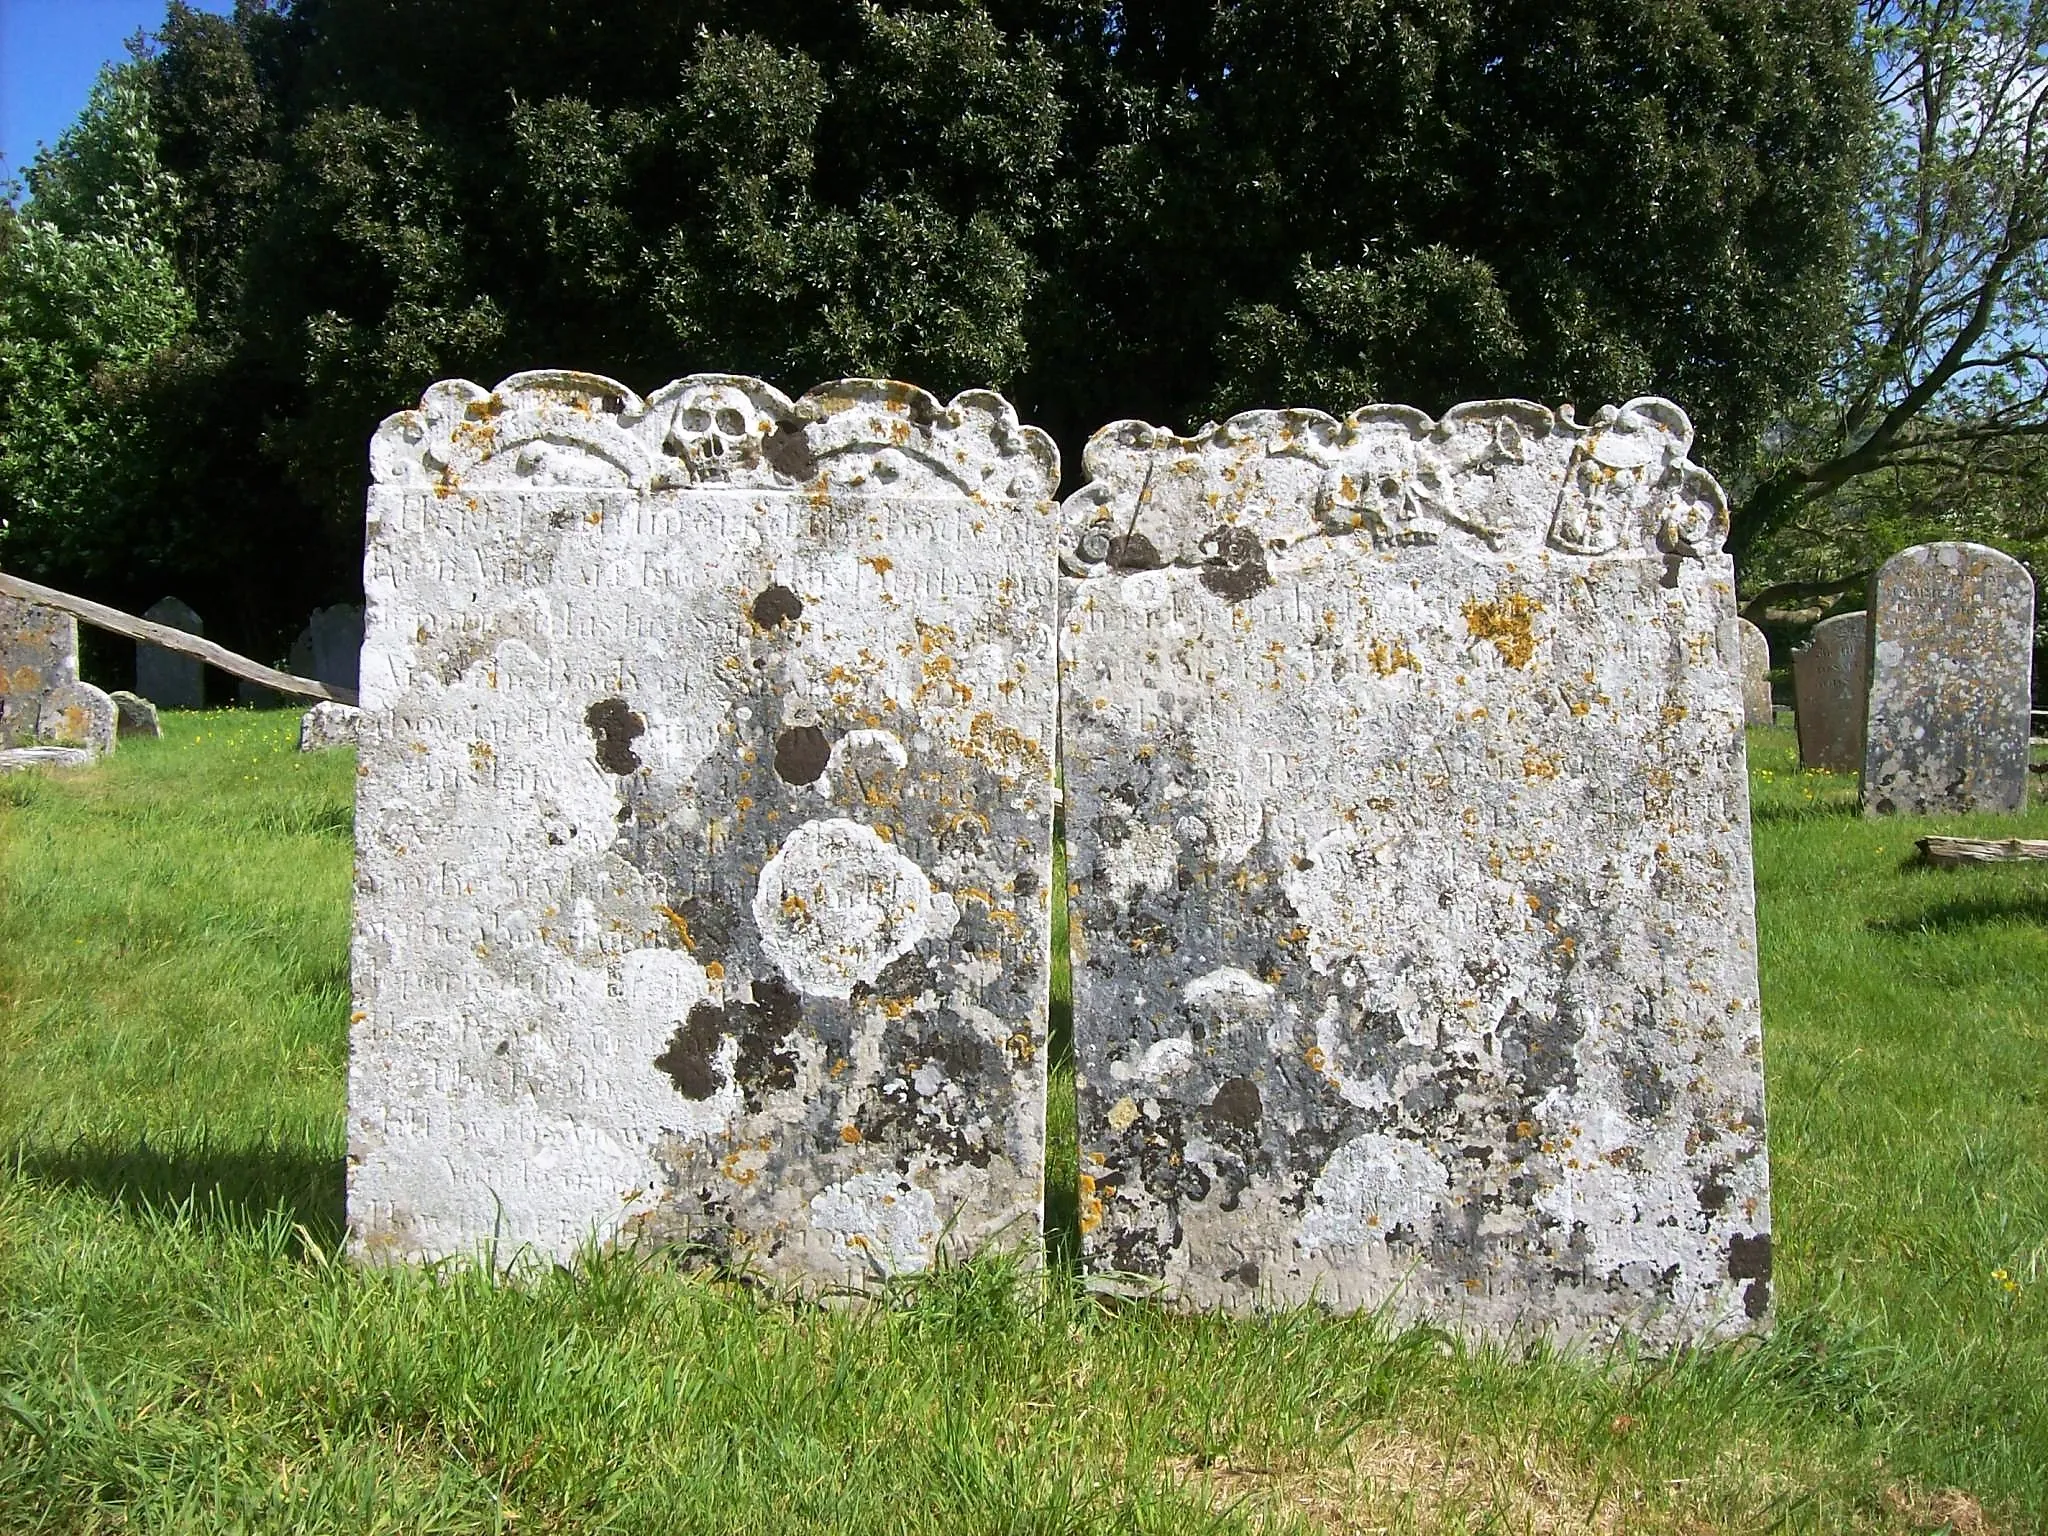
[
  {"x": 1756, "y": 681},
  {"x": 165, "y": 678},
  {"x": 1951, "y": 678},
  {"x": 1408, "y": 828},
  {"x": 42, "y": 702},
  {"x": 704, "y": 826},
  {"x": 1830, "y": 686}
]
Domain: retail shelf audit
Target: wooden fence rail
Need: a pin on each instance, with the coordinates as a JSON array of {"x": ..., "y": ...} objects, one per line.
[{"x": 100, "y": 616}]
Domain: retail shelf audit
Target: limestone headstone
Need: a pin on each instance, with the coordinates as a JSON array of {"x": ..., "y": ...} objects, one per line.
[
  {"x": 1409, "y": 846},
  {"x": 136, "y": 716},
  {"x": 1756, "y": 682},
  {"x": 42, "y": 701},
  {"x": 329, "y": 647},
  {"x": 165, "y": 678},
  {"x": 704, "y": 825},
  {"x": 1830, "y": 684},
  {"x": 328, "y": 724},
  {"x": 1951, "y": 680}
]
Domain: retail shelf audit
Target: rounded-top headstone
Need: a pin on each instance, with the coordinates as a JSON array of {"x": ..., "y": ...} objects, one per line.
[
  {"x": 1756, "y": 667},
  {"x": 1830, "y": 683},
  {"x": 1951, "y": 676},
  {"x": 165, "y": 678}
]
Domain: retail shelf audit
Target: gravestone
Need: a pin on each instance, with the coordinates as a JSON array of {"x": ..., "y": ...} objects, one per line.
[
  {"x": 1409, "y": 857},
  {"x": 1951, "y": 680},
  {"x": 704, "y": 826},
  {"x": 1830, "y": 686},
  {"x": 42, "y": 701},
  {"x": 328, "y": 724},
  {"x": 135, "y": 715},
  {"x": 329, "y": 647},
  {"x": 167, "y": 679},
  {"x": 1756, "y": 682}
]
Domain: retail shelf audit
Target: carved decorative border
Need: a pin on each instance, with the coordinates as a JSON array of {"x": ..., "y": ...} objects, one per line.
[
  {"x": 1504, "y": 475},
  {"x": 548, "y": 431}
]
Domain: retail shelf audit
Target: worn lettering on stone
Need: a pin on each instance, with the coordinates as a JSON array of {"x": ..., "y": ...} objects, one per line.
[
  {"x": 704, "y": 830},
  {"x": 42, "y": 701},
  {"x": 1830, "y": 688},
  {"x": 1951, "y": 682},
  {"x": 1408, "y": 836}
]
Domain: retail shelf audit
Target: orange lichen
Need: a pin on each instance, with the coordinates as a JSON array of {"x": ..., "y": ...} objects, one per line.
[{"x": 1509, "y": 622}]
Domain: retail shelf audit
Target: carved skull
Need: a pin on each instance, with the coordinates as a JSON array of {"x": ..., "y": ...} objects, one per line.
[
  {"x": 715, "y": 433},
  {"x": 1397, "y": 490}
]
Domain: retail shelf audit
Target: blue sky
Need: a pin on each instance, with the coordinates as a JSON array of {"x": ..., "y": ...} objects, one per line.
[{"x": 51, "y": 52}]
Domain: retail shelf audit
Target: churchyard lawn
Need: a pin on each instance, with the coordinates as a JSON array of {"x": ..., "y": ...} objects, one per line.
[{"x": 182, "y": 1349}]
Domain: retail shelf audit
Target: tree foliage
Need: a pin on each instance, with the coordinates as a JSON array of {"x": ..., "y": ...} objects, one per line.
[
  {"x": 1933, "y": 413},
  {"x": 1154, "y": 208}
]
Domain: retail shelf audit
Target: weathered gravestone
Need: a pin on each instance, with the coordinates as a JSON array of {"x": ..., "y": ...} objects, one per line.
[
  {"x": 42, "y": 702},
  {"x": 1830, "y": 687},
  {"x": 134, "y": 715},
  {"x": 330, "y": 646},
  {"x": 1408, "y": 827},
  {"x": 1756, "y": 667},
  {"x": 328, "y": 724},
  {"x": 1951, "y": 679},
  {"x": 165, "y": 678},
  {"x": 704, "y": 825}
]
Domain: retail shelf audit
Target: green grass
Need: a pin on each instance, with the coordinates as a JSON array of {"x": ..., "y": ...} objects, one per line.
[{"x": 181, "y": 1351}]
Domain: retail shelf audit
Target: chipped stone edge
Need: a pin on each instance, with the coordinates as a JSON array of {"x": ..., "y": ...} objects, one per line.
[
  {"x": 844, "y": 435},
  {"x": 1329, "y": 442}
]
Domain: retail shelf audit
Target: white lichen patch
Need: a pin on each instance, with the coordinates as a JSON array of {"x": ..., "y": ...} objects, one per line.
[
  {"x": 836, "y": 904},
  {"x": 1371, "y": 1186},
  {"x": 878, "y": 1223}
]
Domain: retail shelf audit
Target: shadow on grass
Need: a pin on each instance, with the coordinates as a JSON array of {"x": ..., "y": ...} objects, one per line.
[
  {"x": 1818, "y": 810},
  {"x": 212, "y": 1185},
  {"x": 1976, "y": 912},
  {"x": 1062, "y": 1189}
]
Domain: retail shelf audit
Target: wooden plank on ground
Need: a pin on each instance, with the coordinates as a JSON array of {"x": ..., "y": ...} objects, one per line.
[
  {"x": 100, "y": 616},
  {"x": 1954, "y": 852}
]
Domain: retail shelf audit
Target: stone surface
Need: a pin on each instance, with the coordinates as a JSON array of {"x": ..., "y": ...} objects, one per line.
[
  {"x": 15, "y": 759},
  {"x": 1830, "y": 686},
  {"x": 1756, "y": 682},
  {"x": 134, "y": 715},
  {"x": 165, "y": 678},
  {"x": 42, "y": 702},
  {"x": 1409, "y": 857},
  {"x": 1951, "y": 680},
  {"x": 328, "y": 724},
  {"x": 704, "y": 825}
]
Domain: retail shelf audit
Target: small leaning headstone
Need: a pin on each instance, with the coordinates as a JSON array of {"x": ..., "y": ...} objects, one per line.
[
  {"x": 328, "y": 724},
  {"x": 1756, "y": 681},
  {"x": 1951, "y": 682},
  {"x": 1830, "y": 690},
  {"x": 164, "y": 677},
  {"x": 42, "y": 701},
  {"x": 137, "y": 715}
]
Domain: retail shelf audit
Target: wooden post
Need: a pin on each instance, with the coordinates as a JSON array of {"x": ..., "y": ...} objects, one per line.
[{"x": 100, "y": 616}]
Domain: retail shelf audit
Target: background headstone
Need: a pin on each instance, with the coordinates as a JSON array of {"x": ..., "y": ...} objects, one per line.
[
  {"x": 135, "y": 715},
  {"x": 1408, "y": 842},
  {"x": 1951, "y": 682},
  {"x": 42, "y": 702},
  {"x": 704, "y": 825},
  {"x": 1830, "y": 690},
  {"x": 165, "y": 678},
  {"x": 328, "y": 724},
  {"x": 1756, "y": 667}
]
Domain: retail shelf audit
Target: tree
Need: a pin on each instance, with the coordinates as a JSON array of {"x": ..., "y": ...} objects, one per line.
[{"x": 1932, "y": 415}]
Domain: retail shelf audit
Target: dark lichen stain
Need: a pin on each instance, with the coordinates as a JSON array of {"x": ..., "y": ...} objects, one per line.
[
  {"x": 1714, "y": 1195},
  {"x": 905, "y": 977},
  {"x": 1749, "y": 1258},
  {"x": 687, "y": 1061},
  {"x": 1246, "y": 1274},
  {"x": 1756, "y": 1297},
  {"x": 762, "y": 1066},
  {"x": 790, "y": 452},
  {"x": 615, "y": 727},
  {"x": 1235, "y": 567},
  {"x": 1236, "y": 1104},
  {"x": 777, "y": 605},
  {"x": 801, "y": 753},
  {"x": 711, "y": 925},
  {"x": 1134, "y": 552}
]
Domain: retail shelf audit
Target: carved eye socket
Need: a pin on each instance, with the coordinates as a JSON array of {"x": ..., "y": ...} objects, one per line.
[
  {"x": 1094, "y": 546},
  {"x": 730, "y": 422},
  {"x": 694, "y": 420},
  {"x": 1389, "y": 486}
]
